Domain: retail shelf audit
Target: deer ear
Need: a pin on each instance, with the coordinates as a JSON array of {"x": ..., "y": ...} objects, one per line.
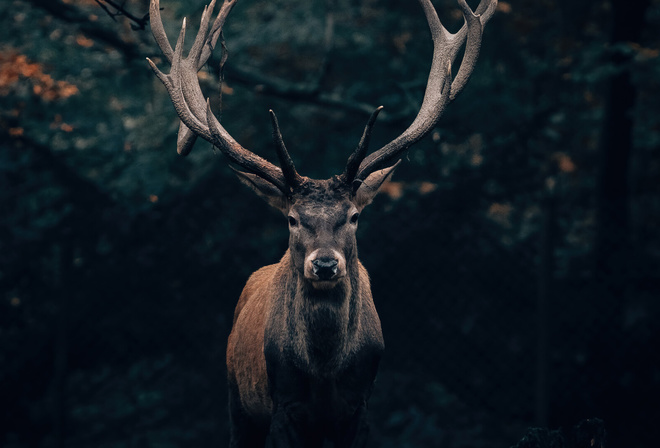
[
  {"x": 369, "y": 187},
  {"x": 265, "y": 190}
]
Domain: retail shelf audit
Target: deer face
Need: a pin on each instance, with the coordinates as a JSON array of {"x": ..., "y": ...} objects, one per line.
[
  {"x": 323, "y": 217},
  {"x": 322, "y": 224}
]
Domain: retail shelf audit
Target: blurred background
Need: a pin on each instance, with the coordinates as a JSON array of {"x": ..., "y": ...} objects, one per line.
[{"x": 514, "y": 258}]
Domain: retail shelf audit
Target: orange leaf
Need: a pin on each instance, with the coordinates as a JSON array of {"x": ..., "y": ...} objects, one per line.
[
  {"x": 564, "y": 162},
  {"x": 504, "y": 7},
  {"x": 15, "y": 68},
  {"x": 392, "y": 189},
  {"x": 427, "y": 187},
  {"x": 84, "y": 41}
]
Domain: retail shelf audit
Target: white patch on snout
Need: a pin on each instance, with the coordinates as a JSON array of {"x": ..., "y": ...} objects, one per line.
[{"x": 324, "y": 284}]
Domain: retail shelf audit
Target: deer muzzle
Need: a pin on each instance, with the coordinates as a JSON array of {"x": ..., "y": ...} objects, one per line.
[{"x": 325, "y": 268}]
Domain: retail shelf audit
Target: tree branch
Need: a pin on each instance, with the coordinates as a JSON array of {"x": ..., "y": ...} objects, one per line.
[
  {"x": 84, "y": 192},
  {"x": 71, "y": 14},
  {"x": 308, "y": 92},
  {"x": 139, "y": 23}
]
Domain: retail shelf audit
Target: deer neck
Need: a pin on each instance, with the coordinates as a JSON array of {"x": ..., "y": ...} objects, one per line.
[{"x": 322, "y": 322}]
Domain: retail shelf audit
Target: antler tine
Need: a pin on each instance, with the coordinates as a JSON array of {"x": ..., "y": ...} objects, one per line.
[
  {"x": 292, "y": 177},
  {"x": 242, "y": 157},
  {"x": 360, "y": 152},
  {"x": 474, "y": 23},
  {"x": 196, "y": 116},
  {"x": 196, "y": 49},
  {"x": 216, "y": 30},
  {"x": 177, "y": 87},
  {"x": 440, "y": 88},
  {"x": 186, "y": 138},
  {"x": 158, "y": 30}
]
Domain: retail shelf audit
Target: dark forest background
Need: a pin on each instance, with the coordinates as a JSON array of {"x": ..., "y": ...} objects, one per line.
[{"x": 514, "y": 258}]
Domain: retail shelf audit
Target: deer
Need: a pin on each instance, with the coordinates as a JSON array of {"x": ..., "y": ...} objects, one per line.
[{"x": 306, "y": 340}]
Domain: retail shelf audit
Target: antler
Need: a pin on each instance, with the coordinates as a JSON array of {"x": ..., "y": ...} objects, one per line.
[
  {"x": 292, "y": 177},
  {"x": 356, "y": 158},
  {"x": 440, "y": 88},
  {"x": 197, "y": 119},
  {"x": 195, "y": 113}
]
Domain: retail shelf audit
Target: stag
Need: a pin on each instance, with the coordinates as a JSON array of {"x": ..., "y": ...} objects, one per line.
[{"x": 306, "y": 339}]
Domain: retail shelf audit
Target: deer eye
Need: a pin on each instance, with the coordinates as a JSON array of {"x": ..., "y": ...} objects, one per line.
[
  {"x": 292, "y": 221},
  {"x": 354, "y": 218}
]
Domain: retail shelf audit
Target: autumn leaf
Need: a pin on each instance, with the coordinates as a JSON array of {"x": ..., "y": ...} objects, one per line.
[
  {"x": 17, "y": 68},
  {"x": 427, "y": 187},
  {"x": 84, "y": 41},
  {"x": 564, "y": 162},
  {"x": 392, "y": 189},
  {"x": 504, "y": 7},
  {"x": 58, "y": 123}
]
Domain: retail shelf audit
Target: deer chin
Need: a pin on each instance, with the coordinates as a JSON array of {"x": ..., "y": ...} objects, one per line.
[{"x": 324, "y": 285}]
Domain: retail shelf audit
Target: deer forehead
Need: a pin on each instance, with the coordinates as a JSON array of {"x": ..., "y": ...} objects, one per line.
[
  {"x": 323, "y": 213},
  {"x": 324, "y": 199}
]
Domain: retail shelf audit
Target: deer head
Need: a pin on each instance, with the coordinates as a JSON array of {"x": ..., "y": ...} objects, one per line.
[{"x": 322, "y": 214}]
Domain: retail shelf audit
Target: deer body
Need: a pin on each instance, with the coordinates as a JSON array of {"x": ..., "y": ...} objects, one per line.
[
  {"x": 306, "y": 339},
  {"x": 318, "y": 349},
  {"x": 306, "y": 342}
]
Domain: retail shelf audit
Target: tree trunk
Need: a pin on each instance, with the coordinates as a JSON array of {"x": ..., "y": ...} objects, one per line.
[
  {"x": 611, "y": 248},
  {"x": 606, "y": 363}
]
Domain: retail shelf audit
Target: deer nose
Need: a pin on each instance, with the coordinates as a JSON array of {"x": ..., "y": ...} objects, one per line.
[{"x": 325, "y": 268}]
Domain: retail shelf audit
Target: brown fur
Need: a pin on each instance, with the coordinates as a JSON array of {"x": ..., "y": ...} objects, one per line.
[
  {"x": 303, "y": 351},
  {"x": 246, "y": 365}
]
